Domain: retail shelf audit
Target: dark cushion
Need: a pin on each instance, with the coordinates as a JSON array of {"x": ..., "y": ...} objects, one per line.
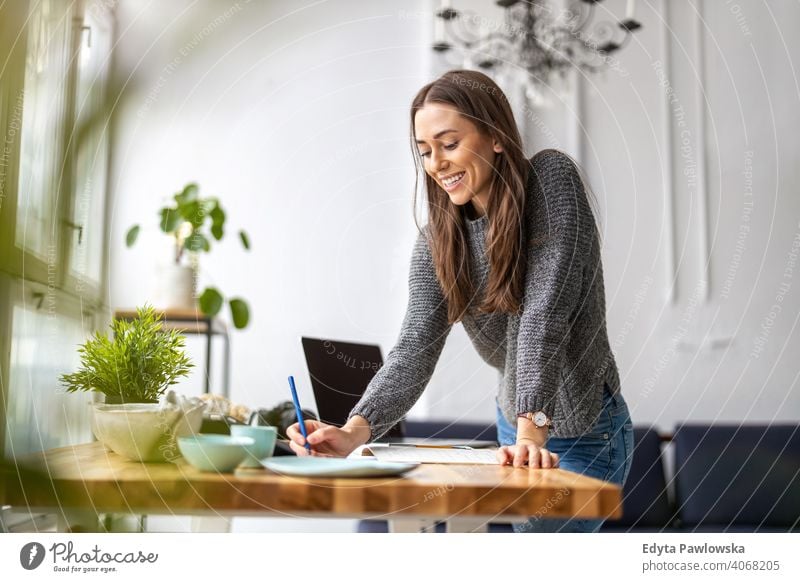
[
  {"x": 451, "y": 429},
  {"x": 732, "y": 475},
  {"x": 732, "y": 528},
  {"x": 645, "y": 503}
]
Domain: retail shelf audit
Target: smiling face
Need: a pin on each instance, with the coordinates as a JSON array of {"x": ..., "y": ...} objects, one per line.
[{"x": 455, "y": 154}]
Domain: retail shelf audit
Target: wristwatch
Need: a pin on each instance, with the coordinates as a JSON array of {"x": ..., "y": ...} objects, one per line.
[{"x": 538, "y": 418}]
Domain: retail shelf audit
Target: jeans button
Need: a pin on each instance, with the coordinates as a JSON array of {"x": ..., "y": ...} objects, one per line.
[{"x": 605, "y": 436}]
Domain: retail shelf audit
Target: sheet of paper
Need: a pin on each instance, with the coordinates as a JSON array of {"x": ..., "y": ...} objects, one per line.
[{"x": 431, "y": 455}]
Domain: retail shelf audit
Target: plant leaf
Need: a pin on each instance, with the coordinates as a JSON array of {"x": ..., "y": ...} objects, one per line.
[
  {"x": 245, "y": 239},
  {"x": 189, "y": 194},
  {"x": 240, "y": 313},
  {"x": 170, "y": 219},
  {"x": 193, "y": 212},
  {"x": 196, "y": 243},
  {"x": 211, "y": 301},
  {"x": 208, "y": 204},
  {"x": 137, "y": 365},
  {"x": 217, "y": 222},
  {"x": 131, "y": 236}
]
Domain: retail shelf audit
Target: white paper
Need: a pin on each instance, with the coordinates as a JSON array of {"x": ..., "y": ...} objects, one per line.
[{"x": 406, "y": 454}]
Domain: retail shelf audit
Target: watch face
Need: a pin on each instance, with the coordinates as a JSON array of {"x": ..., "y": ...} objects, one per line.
[{"x": 540, "y": 419}]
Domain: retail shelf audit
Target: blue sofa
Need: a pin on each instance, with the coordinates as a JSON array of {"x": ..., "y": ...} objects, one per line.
[
  {"x": 737, "y": 478},
  {"x": 726, "y": 478}
]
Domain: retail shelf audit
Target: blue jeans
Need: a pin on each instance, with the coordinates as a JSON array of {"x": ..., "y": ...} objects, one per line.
[{"x": 604, "y": 452}]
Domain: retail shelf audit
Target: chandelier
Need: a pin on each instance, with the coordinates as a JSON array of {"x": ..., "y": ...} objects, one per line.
[{"x": 537, "y": 37}]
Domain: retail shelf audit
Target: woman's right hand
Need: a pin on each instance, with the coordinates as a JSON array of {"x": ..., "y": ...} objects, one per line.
[{"x": 325, "y": 440}]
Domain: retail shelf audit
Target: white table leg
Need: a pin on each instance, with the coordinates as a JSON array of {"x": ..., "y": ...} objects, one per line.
[
  {"x": 411, "y": 525},
  {"x": 76, "y": 520},
  {"x": 202, "y": 524},
  {"x": 124, "y": 523},
  {"x": 467, "y": 525}
]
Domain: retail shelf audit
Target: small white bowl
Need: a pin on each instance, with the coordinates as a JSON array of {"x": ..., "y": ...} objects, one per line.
[{"x": 215, "y": 452}]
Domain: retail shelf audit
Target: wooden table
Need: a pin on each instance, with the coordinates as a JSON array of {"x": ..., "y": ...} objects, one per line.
[{"x": 91, "y": 479}]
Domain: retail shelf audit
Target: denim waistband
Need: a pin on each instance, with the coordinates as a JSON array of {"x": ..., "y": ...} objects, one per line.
[{"x": 615, "y": 402}]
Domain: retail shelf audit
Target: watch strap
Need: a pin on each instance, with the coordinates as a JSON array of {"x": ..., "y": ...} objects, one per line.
[{"x": 529, "y": 415}]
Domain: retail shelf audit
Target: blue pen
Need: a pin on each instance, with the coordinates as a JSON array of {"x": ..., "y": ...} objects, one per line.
[{"x": 299, "y": 412}]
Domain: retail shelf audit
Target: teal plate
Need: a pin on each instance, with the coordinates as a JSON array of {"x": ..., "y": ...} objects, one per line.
[{"x": 329, "y": 467}]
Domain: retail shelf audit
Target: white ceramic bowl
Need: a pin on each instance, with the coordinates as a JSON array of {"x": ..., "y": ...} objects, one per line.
[
  {"x": 217, "y": 453},
  {"x": 146, "y": 432}
]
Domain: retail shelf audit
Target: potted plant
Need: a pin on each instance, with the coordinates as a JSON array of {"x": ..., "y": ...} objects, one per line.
[
  {"x": 193, "y": 222},
  {"x": 136, "y": 365},
  {"x": 133, "y": 370}
]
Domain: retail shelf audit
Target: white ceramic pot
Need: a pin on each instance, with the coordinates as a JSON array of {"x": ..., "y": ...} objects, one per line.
[
  {"x": 147, "y": 432},
  {"x": 174, "y": 287}
]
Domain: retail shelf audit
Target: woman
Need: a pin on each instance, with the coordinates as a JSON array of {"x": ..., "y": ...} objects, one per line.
[{"x": 512, "y": 251}]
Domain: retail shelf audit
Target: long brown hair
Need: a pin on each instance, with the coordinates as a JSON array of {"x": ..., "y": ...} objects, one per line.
[{"x": 482, "y": 102}]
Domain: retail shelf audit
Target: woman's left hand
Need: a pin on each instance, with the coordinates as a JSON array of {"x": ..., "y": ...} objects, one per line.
[{"x": 525, "y": 451}]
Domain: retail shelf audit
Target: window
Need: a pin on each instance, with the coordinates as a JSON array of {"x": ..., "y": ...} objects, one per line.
[
  {"x": 53, "y": 166},
  {"x": 46, "y": 331},
  {"x": 44, "y": 114}
]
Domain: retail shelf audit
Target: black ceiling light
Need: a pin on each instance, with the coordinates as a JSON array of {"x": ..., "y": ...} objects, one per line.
[{"x": 535, "y": 36}]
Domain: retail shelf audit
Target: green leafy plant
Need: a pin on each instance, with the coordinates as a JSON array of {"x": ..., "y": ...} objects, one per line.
[
  {"x": 137, "y": 364},
  {"x": 193, "y": 222}
]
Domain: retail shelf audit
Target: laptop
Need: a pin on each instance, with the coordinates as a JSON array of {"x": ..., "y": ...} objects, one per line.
[{"x": 340, "y": 373}]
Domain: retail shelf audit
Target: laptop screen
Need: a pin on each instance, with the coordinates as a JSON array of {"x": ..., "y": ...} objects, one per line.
[{"x": 340, "y": 373}]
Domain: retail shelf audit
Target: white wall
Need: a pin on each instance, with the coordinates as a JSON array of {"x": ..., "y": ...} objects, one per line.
[
  {"x": 690, "y": 295},
  {"x": 298, "y": 119},
  {"x": 299, "y": 122},
  {"x": 728, "y": 168}
]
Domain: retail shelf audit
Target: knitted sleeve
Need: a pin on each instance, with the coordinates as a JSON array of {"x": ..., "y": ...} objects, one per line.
[
  {"x": 561, "y": 231},
  {"x": 410, "y": 363}
]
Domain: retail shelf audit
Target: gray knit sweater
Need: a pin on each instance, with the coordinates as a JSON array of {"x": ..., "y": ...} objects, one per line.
[{"x": 554, "y": 355}]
